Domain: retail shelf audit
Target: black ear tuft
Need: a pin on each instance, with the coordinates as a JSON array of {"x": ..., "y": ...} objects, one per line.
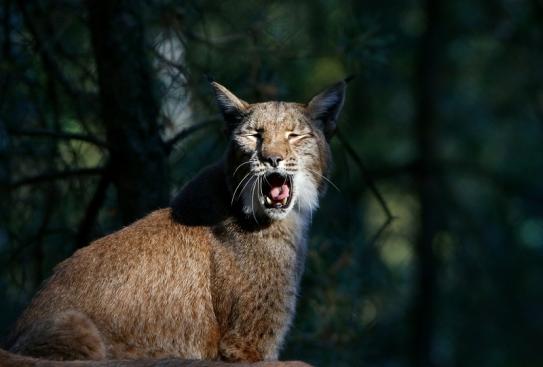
[
  {"x": 325, "y": 107},
  {"x": 232, "y": 108}
]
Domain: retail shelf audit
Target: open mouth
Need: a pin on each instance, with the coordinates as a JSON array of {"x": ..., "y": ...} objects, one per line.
[{"x": 277, "y": 191}]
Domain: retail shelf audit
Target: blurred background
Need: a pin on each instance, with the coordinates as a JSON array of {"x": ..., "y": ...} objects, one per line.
[{"x": 430, "y": 253}]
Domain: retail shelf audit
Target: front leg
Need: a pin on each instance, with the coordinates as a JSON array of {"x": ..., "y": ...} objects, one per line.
[
  {"x": 237, "y": 348},
  {"x": 257, "y": 326}
]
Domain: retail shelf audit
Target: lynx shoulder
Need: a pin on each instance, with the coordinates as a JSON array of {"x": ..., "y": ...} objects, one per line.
[{"x": 216, "y": 275}]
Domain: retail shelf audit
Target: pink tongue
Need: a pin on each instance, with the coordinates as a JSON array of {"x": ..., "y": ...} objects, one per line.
[{"x": 278, "y": 193}]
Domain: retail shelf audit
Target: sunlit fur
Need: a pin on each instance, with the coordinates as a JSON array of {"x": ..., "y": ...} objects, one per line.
[
  {"x": 214, "y": 276},
  {"x": 285, "y": 129}
]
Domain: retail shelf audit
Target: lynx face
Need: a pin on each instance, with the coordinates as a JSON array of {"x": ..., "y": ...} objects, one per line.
[{"x": 279, "y": 154}]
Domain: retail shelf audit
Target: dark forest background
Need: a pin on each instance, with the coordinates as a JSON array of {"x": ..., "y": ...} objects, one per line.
[{"x": 431, "y": 251}]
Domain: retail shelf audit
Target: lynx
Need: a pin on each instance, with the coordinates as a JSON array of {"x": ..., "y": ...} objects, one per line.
[{"x": 216, "y": 275}]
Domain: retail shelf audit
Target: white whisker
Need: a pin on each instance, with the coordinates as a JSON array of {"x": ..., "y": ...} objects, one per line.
[
  {"x": 237, "y": 187},
  {"x": 238, "y": 167},
  {"x": 261, "y": 184},
  {"x": 325, "y": 178},
  {"x": 244, "y": 186},
  {"x": 252, "y": 200}
]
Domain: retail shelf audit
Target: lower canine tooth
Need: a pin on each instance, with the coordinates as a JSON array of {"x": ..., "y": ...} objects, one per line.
[
  {"x": 284, "y": 201},
  {"x": 268, "y": 200}
]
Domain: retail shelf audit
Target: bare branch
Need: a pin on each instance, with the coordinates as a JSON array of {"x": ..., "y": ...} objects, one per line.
[
  {"x": 42, "y": 46},
  {"x": 179, "y": 67},
  {"x": 371, "y": 184},
  {"x": 380, "y": 231},
  {"x": 44, "y": 52},
  {"x": 88, "y": 222},
  {"x": 185, "y": 133},
  {"x": 52, "y": 176},
  {"x": 59, "y": 135}
]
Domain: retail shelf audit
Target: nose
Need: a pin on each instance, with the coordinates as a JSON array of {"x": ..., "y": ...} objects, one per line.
[{"x": 273, "y": 159}]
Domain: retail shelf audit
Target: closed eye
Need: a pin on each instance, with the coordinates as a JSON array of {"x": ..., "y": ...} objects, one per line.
[
  {"x": 252, "y": 134},
  {"x": 296, "y": 136}
]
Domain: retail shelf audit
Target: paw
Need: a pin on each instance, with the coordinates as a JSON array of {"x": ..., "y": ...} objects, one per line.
[{"x": 236, "y": 350}]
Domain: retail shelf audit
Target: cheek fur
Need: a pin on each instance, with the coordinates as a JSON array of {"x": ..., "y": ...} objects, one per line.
[{"x": 306, "y": 192}]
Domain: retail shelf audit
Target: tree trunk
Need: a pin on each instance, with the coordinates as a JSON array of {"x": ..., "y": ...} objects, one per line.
[
  {"x": 425, "y": 121},
  {"x": 128, "y": 106}
]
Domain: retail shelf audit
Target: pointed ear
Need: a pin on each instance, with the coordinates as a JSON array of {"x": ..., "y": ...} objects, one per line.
[
  {"x": 232, "y": 108},
  {"x": 325, "y": 107}
]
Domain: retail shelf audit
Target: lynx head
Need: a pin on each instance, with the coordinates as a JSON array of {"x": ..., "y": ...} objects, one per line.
[{"x": 278, "y": 156}]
